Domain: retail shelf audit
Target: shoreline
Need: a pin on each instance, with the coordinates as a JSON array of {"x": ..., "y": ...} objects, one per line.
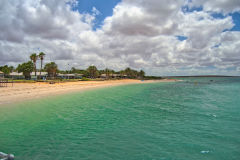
[{"x": 20, "y": 92}]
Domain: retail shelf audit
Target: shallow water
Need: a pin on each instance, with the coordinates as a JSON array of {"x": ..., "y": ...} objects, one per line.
[{"x": 194, "y": 119}]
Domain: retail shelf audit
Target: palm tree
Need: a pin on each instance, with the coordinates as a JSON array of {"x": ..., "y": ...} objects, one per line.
[
  {"x": 141, "y": 74},
  {"x": 107, "y": 72},
  {"x": 122, "y": 73},
  {"x": 51, "y": 68},
  {"x": 34, "y": 58},
  {"x": 41, "y": 56}
]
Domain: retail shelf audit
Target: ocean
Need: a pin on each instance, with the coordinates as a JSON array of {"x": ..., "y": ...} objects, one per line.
[{"x": 195, "y": 119}]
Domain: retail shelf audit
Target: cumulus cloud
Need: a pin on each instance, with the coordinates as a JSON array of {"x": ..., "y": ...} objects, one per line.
[
  {"x": 224, "y": 6},
  {"x": 139, "y": 34}
]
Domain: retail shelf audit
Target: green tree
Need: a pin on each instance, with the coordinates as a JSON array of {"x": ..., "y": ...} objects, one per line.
[
  {"x": 51, "y": 68},
  {"x": 93, "y": 72},
  {"x": 41, "y": 56},
  {"x": 141, "y": 74},
  {"x": 122, "y": 73},
  {"x": 108, "y": 73},
  {"x": 6, "y": 69},
  {"x": 128, "y": 72},
  {"x": 26, "y": 68},
  {"x": 34, "y": 58}
]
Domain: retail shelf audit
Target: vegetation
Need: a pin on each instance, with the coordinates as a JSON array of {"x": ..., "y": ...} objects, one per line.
[
  {"x": 85, "y": 79},
  {"x": 26, "y": 68},
  {"x": 6, "y": 69},
  {"x": 41, "y": 56},
  {"x": 141, "y": 74},
  {"x": 51, "y": 68},
  {"x": 108, "y": 72},
  {"x": 34, "y": 58},
  {"x": 90, "y": 73},
  {"x": 93, "y": 72}
]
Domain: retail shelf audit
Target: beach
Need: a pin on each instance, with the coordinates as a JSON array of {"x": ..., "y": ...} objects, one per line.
[{"x": 26, "y": 91}]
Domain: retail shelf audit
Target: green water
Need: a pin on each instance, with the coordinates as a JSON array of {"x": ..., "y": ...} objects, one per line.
[{"x": 191, "y": 120}]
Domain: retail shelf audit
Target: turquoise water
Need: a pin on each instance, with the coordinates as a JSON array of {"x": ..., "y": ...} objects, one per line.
[{"x": 191, "y": 120}]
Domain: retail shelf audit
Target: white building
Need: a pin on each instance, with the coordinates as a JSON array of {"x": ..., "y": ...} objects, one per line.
[
  {"x": 1, "y": 74},
  {"x": 38, "y": 73},
  {"x": 69, "y": 76}
]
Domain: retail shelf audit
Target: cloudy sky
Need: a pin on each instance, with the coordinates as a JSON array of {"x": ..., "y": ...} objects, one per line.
[{"x": 162, "y": 37}]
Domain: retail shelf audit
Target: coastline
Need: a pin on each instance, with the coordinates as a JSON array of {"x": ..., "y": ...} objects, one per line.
[{"x": 26, "y": 91}]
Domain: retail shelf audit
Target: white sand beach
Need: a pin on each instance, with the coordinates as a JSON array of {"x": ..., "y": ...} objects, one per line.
[{"x": 26, "y": 91}]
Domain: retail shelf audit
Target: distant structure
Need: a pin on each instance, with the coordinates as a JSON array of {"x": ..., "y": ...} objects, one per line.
[
  {"x": 1, "y": 74},
  {"x": 3, "y": 82},
  {"x": 4, "y": 156},
  {"x": 114, "y": 76},
  {"x": 16, "y": 75},
  {"x": 69, "y": 76}
]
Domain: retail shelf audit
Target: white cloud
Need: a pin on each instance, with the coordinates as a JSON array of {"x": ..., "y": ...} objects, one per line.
[
  {"x": 224, "y": 6},
  {"x": 140, "y": 34}
]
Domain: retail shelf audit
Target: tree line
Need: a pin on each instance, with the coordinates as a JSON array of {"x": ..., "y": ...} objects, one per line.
[{"x": 91, "y": 72}]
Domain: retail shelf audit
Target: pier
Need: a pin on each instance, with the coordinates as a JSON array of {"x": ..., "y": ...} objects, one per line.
[{"x": 3, "y": 82}]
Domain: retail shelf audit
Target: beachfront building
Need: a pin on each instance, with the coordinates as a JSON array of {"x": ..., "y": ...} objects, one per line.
[
  {"x": 16, "y": 75},
  {"x": 43, "y": 75},
  {"x": 104, "y": 76},
  {"x": 1, "y": 74},
  {"x": 70, "y": 76}
]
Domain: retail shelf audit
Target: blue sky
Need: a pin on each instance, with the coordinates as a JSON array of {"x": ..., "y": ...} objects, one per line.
[
  {"x": 105, "y": 7},
  {"x": 236, "y": 20}
]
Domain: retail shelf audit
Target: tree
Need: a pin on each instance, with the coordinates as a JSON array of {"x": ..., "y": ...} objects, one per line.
[
  {"x": 141, "y": 74},
  {"x": 93, "y": 72},
  {"x": 128, "y": 72},
  {"x": 34, "y": 58},
  {"x": 108, "y": 72},
  {"x": 41, "y": 56},
  {"x": 122, "y": 74},
  {"x": 26, "y": 68},
  {"x": 51, "y": 68},
  {"x": 73, "y": 70},
  {"x": 6, "y": 69}
]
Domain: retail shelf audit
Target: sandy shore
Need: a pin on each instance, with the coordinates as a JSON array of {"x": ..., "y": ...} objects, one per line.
[{"x": 25, "y": 91}]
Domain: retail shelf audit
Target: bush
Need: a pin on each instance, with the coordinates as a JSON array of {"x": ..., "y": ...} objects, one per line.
[{"x": 85, "y": 79}]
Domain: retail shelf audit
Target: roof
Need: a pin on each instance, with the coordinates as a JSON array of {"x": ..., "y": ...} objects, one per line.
[
  {"x": 114, "y": 75},
  {"x": 66, "y": 74},
  {"x": 1, "y": 72},
  {"x": 69, "y": 74},
  {"x": 16, "y": 74},
  {"x": 38, "y": 73}
]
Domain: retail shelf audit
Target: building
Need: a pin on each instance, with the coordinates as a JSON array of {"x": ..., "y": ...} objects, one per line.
[
  {"x": 104, "y": 76},
  {"x": 16, "y": 75},
  {"x": 69, "y": 76},
  {"x": 43, "y": 76},
  {"x": 1, "y": 74}
]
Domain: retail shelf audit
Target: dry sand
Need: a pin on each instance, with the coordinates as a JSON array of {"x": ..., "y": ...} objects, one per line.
[{"x": 25, "y": 91}]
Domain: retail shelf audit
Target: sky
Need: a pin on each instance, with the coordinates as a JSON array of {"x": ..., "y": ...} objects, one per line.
[{"x": 161, "y": 37}]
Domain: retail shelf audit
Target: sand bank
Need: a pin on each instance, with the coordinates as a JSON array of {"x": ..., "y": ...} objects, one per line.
[{"x": 25, "y": 91}]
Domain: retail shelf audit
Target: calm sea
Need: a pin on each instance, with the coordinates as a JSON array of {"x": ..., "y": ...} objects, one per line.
[{"x": 196, "y": 119}]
